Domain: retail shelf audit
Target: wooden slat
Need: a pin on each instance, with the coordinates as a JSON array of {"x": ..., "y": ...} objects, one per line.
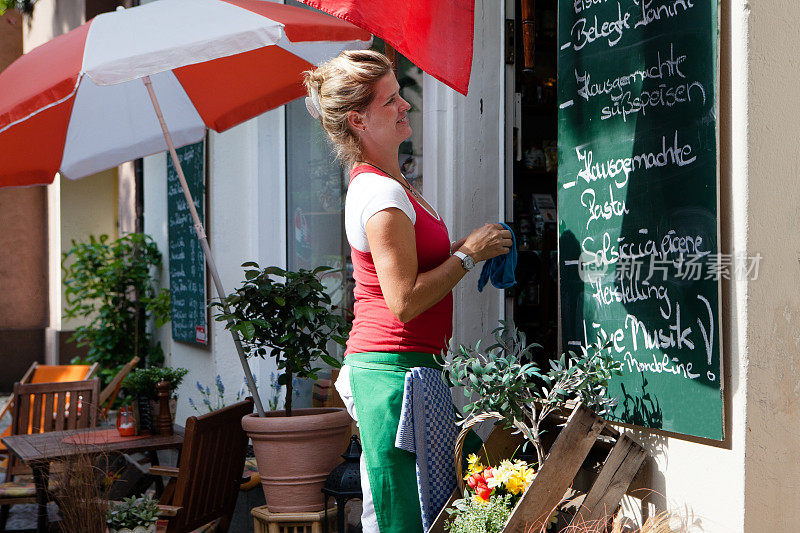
[
  {"x": 72, "y": 417},
  {"x": 37, "y": 415},
  {"x": 115, "y": 384},
  {"x": 558, "y": 471},
  {"x": 618, "y": 471},
  {"x": 23, "y": 414},
  {"x": 156, "y": 470},
  {"x": 49, "y": 415},
  {"x": 92, "y": 406},
  {"x": 92, "y": 371},
  {"x": 33, "y": 388},
  {"x": 60, "y": 400}
]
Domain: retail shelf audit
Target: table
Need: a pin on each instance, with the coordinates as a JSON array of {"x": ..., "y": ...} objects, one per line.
[{"x": 40, "y": 449}]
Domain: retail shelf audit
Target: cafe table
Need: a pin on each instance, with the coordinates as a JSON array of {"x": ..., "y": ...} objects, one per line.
[{"x": 40, "y": 449}]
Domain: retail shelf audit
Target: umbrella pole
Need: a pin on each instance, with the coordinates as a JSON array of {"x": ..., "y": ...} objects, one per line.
[{"x": 201, "y": 234}]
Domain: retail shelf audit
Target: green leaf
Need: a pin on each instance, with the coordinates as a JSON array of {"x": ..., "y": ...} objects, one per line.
[
  {"x": 330, "y": 360},
  {"x": 248, "y": 330}
]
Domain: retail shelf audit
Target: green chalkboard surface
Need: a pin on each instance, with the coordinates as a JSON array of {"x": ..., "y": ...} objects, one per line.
[
  {"x": 187, "y": 269},
  {"x": 637, "y": 200}
]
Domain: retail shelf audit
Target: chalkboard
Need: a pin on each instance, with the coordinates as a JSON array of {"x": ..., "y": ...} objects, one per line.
[
  {"x": 637, "y": 201},
  {"x": 187, "y": 269}
]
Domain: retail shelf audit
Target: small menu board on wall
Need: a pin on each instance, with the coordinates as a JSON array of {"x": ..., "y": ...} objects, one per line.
[
  {"x": 637, "y": 203},
  {"x": 187, "y": 270}
]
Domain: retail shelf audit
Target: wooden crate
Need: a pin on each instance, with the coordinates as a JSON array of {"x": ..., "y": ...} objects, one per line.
[
  {"x": 266, "y": 522},
  {"x": 583, "y": 431}
]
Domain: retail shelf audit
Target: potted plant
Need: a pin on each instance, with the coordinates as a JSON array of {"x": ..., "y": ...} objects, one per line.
[
  {"x": 289, "y": 316},
  {"x": 111, "y": 286},
  {"x": 141, "y": 385},
  {"x": 502, "y": 381},
  {"x": 132, "y": 515}
]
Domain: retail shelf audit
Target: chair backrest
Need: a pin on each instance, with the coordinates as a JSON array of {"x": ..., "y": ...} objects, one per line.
[
  {"x": 210, "y": 469},
  {"x": 37, "y": 373},
  {"x": 45, "y": 407},
  {"x": 61, "y": 373}
]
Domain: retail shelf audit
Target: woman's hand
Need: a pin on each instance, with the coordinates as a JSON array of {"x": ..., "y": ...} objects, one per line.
[{"x": 490, "y": 240}]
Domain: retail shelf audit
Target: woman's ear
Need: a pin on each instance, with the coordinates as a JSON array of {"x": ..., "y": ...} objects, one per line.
[{"x": 356, "y": 121}]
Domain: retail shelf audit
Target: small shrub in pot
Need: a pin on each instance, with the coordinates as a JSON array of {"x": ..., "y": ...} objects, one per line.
[
  {"x": 289, "y": 316},
  {"x": 291, "y": 320},
  {"x": 132, "y": 515}
]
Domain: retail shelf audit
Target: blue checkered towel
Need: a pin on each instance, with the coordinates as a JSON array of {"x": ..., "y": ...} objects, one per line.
[{"x": 428, "y": 429}]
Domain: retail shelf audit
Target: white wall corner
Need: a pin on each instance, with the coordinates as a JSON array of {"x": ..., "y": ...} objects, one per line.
[{"x": 464, "y": 147}]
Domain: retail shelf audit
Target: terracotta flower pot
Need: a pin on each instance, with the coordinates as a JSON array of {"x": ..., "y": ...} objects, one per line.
[{"x": 295, "y": 454}]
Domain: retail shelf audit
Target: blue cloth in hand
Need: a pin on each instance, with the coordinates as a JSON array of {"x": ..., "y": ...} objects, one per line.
[{"x": 500, "y": 269}]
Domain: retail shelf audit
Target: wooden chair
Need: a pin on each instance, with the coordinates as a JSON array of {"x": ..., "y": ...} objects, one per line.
[
  {"x": 40, "y": 408},
  {"x": 37, "y": 373},
  {"x": 205, "y": 485},
  {"x": 65, "y": 373}
]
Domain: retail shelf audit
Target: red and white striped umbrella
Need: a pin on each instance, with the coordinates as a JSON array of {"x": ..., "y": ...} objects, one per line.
[
  {"x": 77, "y": 104},
  {"x": 151, "y": 78}
]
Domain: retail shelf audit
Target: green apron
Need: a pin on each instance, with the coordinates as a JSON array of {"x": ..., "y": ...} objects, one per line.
[{"x": 377, "y": 381}]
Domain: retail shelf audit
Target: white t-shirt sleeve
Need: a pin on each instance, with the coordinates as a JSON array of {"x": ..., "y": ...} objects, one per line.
[{"x": 367, "y": 194}]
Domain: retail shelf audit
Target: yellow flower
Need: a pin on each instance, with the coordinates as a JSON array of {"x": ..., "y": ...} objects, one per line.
[
  {"x": 515, "y": 485},
  {"x": 480, "y": 500},
  {"x": 474, "y": 465},
  {"x": 527, "y": 474}
]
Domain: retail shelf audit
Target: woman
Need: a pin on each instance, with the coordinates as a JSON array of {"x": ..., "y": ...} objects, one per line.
[{"x": 405, "y": 268}]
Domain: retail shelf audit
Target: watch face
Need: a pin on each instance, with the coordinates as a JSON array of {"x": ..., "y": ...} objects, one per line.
[{"x": 468, "y": 262}]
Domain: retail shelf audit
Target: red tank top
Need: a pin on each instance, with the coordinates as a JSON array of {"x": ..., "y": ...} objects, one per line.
[{"x": 375, "y": 328}]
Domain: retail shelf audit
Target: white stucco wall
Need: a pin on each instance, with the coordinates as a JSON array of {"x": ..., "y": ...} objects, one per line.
[
  {"x": 245, "y": 222},
  {"x": 464, "y": 161},
  {"x": 772, "y": 329},
  {"x": 85, "y": 207}
]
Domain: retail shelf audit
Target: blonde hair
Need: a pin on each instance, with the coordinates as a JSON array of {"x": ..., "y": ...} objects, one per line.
[{"x": 343, "y": 84}]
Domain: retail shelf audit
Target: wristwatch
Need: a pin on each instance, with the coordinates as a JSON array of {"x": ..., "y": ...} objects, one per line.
[{"x": 466, "y": 260}]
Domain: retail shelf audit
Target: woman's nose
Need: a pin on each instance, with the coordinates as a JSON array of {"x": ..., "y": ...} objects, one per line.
[{"x": 404, "y": 105}]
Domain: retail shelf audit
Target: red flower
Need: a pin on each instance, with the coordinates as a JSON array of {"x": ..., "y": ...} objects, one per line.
[
  {"x": 471, "y": 482},
  {"x": 483, "y": 491},
  {"x": 488, "y": 473}
]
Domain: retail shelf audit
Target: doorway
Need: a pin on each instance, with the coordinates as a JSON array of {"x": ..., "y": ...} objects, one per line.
[{"x": 533, "y": 172}]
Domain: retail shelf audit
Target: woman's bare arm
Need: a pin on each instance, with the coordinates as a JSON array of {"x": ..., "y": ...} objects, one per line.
[{"x": 407, "y": 292}]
